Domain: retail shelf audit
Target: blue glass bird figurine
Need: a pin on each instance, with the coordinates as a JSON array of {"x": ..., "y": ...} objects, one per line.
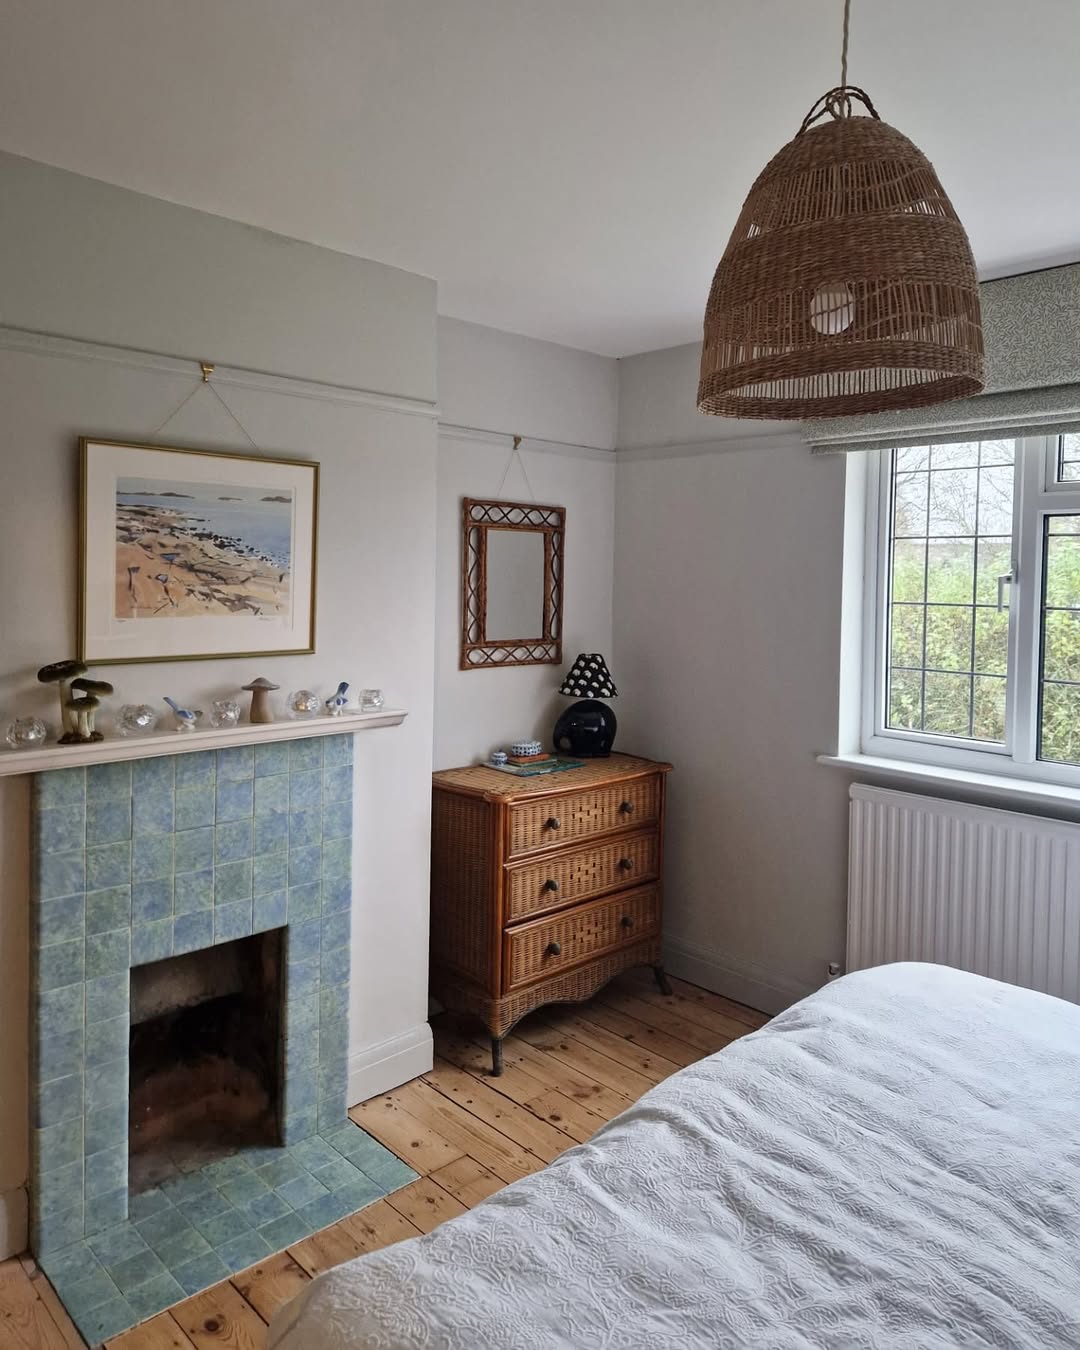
[{"x": 186, "y": 718}]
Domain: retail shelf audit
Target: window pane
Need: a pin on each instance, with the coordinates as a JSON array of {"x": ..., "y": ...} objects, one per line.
[
  {"x": 948, "y": 637},
  {"x": 948, "y": 704},
  {"x": 952, "y": 536},
  {"x": 905, "y": 700},
  {"x": 1059, "y": 719},
  {"x": 1069, "y": 458},
  {"x": 909, "y": 570},
  {"x": 988, "y": 718},
  {"x": 993, "y": 559},
  {"x": 950, "y": 571},
  {"x": 991, "y": 641},
  {"x": 907, "y": 636},
  {"x": 953, "y": 502}
]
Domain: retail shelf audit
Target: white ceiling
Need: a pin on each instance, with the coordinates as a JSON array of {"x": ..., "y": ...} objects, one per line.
[{"x": 568, "y": 169}]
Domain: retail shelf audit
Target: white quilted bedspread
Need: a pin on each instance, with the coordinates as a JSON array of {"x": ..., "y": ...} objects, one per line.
[{"x": 893, "y": 1162}]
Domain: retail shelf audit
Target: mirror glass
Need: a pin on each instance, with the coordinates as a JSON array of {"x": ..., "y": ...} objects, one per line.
[{"x": 515, "y": 584}]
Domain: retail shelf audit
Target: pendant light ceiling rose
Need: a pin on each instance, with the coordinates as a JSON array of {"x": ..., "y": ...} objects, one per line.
[{"x": 848, "y": 285}]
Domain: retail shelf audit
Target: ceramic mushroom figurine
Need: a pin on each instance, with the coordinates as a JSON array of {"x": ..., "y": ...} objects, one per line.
[
  {"x": 83, "y": 710},
  {"x": 61, "y": 673},
  {"x": 260, "y": 691}
]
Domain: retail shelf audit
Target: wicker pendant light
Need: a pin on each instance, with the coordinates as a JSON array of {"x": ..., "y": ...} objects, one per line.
[{"x": 848, "y": 284}]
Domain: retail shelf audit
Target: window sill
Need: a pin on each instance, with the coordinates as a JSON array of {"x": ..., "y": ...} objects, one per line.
[{"x": 1017, "y": 791}]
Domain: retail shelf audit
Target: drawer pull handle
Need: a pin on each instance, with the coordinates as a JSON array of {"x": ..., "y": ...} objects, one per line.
[
  {"x": 552, "y": 823},
  {"x": 551, "y": 884},
  {"x": 626, "y": 864},
  {"x": 627, "y": 921},
  {"x": 626, "y": 808},
  {"x": 553, "y": 949}
]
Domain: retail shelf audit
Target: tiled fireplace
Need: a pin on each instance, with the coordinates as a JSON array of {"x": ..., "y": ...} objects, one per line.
[{"x": 138, "y": 864}]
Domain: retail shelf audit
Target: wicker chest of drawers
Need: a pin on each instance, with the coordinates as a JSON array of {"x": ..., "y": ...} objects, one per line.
[{"x": 543, "y": 888}]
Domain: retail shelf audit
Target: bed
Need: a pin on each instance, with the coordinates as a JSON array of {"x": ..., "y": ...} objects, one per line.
[{"x": 893, "y": 1162}]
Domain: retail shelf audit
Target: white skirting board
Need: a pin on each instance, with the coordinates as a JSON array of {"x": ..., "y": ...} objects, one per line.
[
  {"x": 387, "y": 1064},
  {"x": 14, "y": 1236},
  {"x": 731, "y": 976}
]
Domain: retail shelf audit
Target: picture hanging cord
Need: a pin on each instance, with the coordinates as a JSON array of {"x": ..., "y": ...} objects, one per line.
[
  {"x": 206, "y": 370},
  {"x": 516, "y": 453}
]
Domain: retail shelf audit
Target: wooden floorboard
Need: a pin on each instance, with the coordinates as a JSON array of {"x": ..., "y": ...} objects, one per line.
[{"x": 568, "y": 1070}]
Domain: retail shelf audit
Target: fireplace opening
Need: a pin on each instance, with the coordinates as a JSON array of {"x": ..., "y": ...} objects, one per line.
[{"x": 205, "y": 1057}]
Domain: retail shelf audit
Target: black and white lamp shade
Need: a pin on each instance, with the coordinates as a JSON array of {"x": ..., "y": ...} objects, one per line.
[{"x": 587, "y": 729}]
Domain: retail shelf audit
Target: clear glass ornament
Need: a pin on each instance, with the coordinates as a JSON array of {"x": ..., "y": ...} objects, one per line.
[
  {"x": 136, "y": 719},
  {"x": 26, "y": 733}
]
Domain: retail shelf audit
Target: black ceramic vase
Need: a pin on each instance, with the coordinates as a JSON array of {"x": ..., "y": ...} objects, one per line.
[{"x": 586, "y": 730}]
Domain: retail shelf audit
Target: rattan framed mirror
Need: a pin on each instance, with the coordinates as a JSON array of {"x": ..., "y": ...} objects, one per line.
[{"x": 511, "y": 584}]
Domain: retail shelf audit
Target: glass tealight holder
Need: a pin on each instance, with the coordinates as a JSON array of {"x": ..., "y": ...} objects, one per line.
[
  {"x": 26, "y": 733},
  {"x": 370, "y": 700},
  {"x": 225, "y": 713},
  {"x": 136, "y": 719},
  {"x": 303, "y": 704}
]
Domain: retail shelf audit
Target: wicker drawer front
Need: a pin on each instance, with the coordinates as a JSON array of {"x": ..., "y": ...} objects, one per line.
[
  {"x": 585, "y": 872},
  {"x": 577, "y": 815},
  {"x": 538, "y": 949}
]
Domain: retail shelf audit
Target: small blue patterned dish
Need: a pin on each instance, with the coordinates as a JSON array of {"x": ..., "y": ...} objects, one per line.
[
  {"x": 527, "y": 748},
  {"x": 497, "y": 757}
]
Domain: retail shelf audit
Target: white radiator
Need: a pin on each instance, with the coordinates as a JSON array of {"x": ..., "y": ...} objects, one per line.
[{"x": 993, "y": 892}]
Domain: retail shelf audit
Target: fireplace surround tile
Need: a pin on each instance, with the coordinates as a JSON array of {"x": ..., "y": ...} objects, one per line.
[{"x": 137, "y": 861}]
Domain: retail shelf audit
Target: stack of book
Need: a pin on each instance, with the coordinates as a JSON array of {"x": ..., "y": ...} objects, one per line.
[{"x": 530, "y": 759}]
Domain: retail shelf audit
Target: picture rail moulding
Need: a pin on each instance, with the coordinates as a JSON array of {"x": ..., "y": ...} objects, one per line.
[{"x": 182, "y": 742}]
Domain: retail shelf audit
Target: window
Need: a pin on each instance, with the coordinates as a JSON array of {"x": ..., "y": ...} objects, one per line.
[{"x": 974, "y": 606}]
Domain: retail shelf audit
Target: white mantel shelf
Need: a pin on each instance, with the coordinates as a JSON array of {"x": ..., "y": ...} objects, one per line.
[{"x": 183, "y": 742}]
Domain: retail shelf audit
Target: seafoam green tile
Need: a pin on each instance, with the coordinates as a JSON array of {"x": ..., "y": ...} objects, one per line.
[
  {"x": 193, "y": 932},
  {"x": 59, "y": 920},
  {"x": 283, "y": 1232},
  {"x": 107, "y": 1321},
  {"x": 52, "y": 1231},
  {"x": 281, "y": 1169},
  {"x": 242, "y": 1190},
  {"x": 108, "y": 820},
  {"x": 151, "y": 900},
  {"x": 107, "y": 1085},
  {"x": 151, "y": 857},
  {"x": 270, "y": 872},
  {"x": 337, "y": 858},
  {"x": 106, "y": 1171},
  {"x": 59, "y": 1188},
  {"x": 61, "y": 964},
  {"x": 337, "y": 750},
  {"x": 232, "y": 882},
  {"x": 244, "y": 1250},
  {"x": 271, "y": 759},
  {"x": 389, "y": 1173},
  {"x": 305, "y": 755},
  {"x": 194, "y": 808},
  {"x": 238, "y": 761},
  {"x": 305, "y": 828},
  {"x": 108, "y": 865},
  {"x": 106, "y": 1125},
  {"x": 194, "y": 850},
  {"x": 148, "y": 774},
  {"x": 106, "y": 1211},
  {"x": 181, "y": 1246},
  {"x": 57, "y": 1101},
  {"x": 155, "y": 1296},
  {"x": 108, "y": 909},
  {"x": 305, "y": 791},
  {"x": 233, "y": 841},
  {"x": 338, "y": 784},
  {"x": 201, "y": 1272},
  {"x": 272, "y": 795},
  {"x": 232, "y": 921},
  {"x": 269, "y": 911},
  {"x": 106, "y": 1041},
  {"x": 84, "y": 1295},
  {"x": 107, "y": 996},
  {"x": 336, "y": 819},
  {"x": 61, "y": 874},
  {"x": 60, "y": 1010},
  {"x": 105, "y": 782},
  {"x": 302, "y": 941},
  {"x": 57, "y": 1145},
  {"x": 147, "y": 1204},
  {"x": 301, "y": 1190},
  {"x": 135, "y": 1270},
  {"x": 234, "y": 800},
  {"x": 151, "y": 942},
  {"x": 271, "y": 835},
  {"x": 305, "y": 865},
  {"x": 59, "y": 787},
  {"x": 265, "y": 1208},
  {"x": 223, "y": 1227},
  {"x": 193, "y": 891},
  {"x": 107, "y": 953},
  {"x": 152, "y": 811},
  {"x": 60, "y": 828},
  {"x": 117, "y": 1244},
  {"x": 195, "y": 769}
]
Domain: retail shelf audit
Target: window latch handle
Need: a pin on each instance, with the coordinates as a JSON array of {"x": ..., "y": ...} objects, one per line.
[{"x": 1006, "y": 579}]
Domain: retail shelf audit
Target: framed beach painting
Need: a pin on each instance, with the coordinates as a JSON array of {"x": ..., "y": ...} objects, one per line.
[{"x": 193, "y": 554}]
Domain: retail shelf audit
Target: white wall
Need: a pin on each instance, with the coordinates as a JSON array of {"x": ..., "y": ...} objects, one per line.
[
  {"x": 247, "y": 299},
  {"x": 729, "y": 559},
  {"x": 564, "y": 404}
]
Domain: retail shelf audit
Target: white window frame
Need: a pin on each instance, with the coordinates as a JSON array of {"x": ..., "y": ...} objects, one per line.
[{"x": 1036, "y": 496}]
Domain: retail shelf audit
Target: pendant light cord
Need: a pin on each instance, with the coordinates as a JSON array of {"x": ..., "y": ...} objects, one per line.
[{"x": 843, "y": 50}]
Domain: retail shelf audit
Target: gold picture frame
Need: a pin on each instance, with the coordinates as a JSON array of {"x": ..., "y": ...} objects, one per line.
[{"x": 194, "y": 555}]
